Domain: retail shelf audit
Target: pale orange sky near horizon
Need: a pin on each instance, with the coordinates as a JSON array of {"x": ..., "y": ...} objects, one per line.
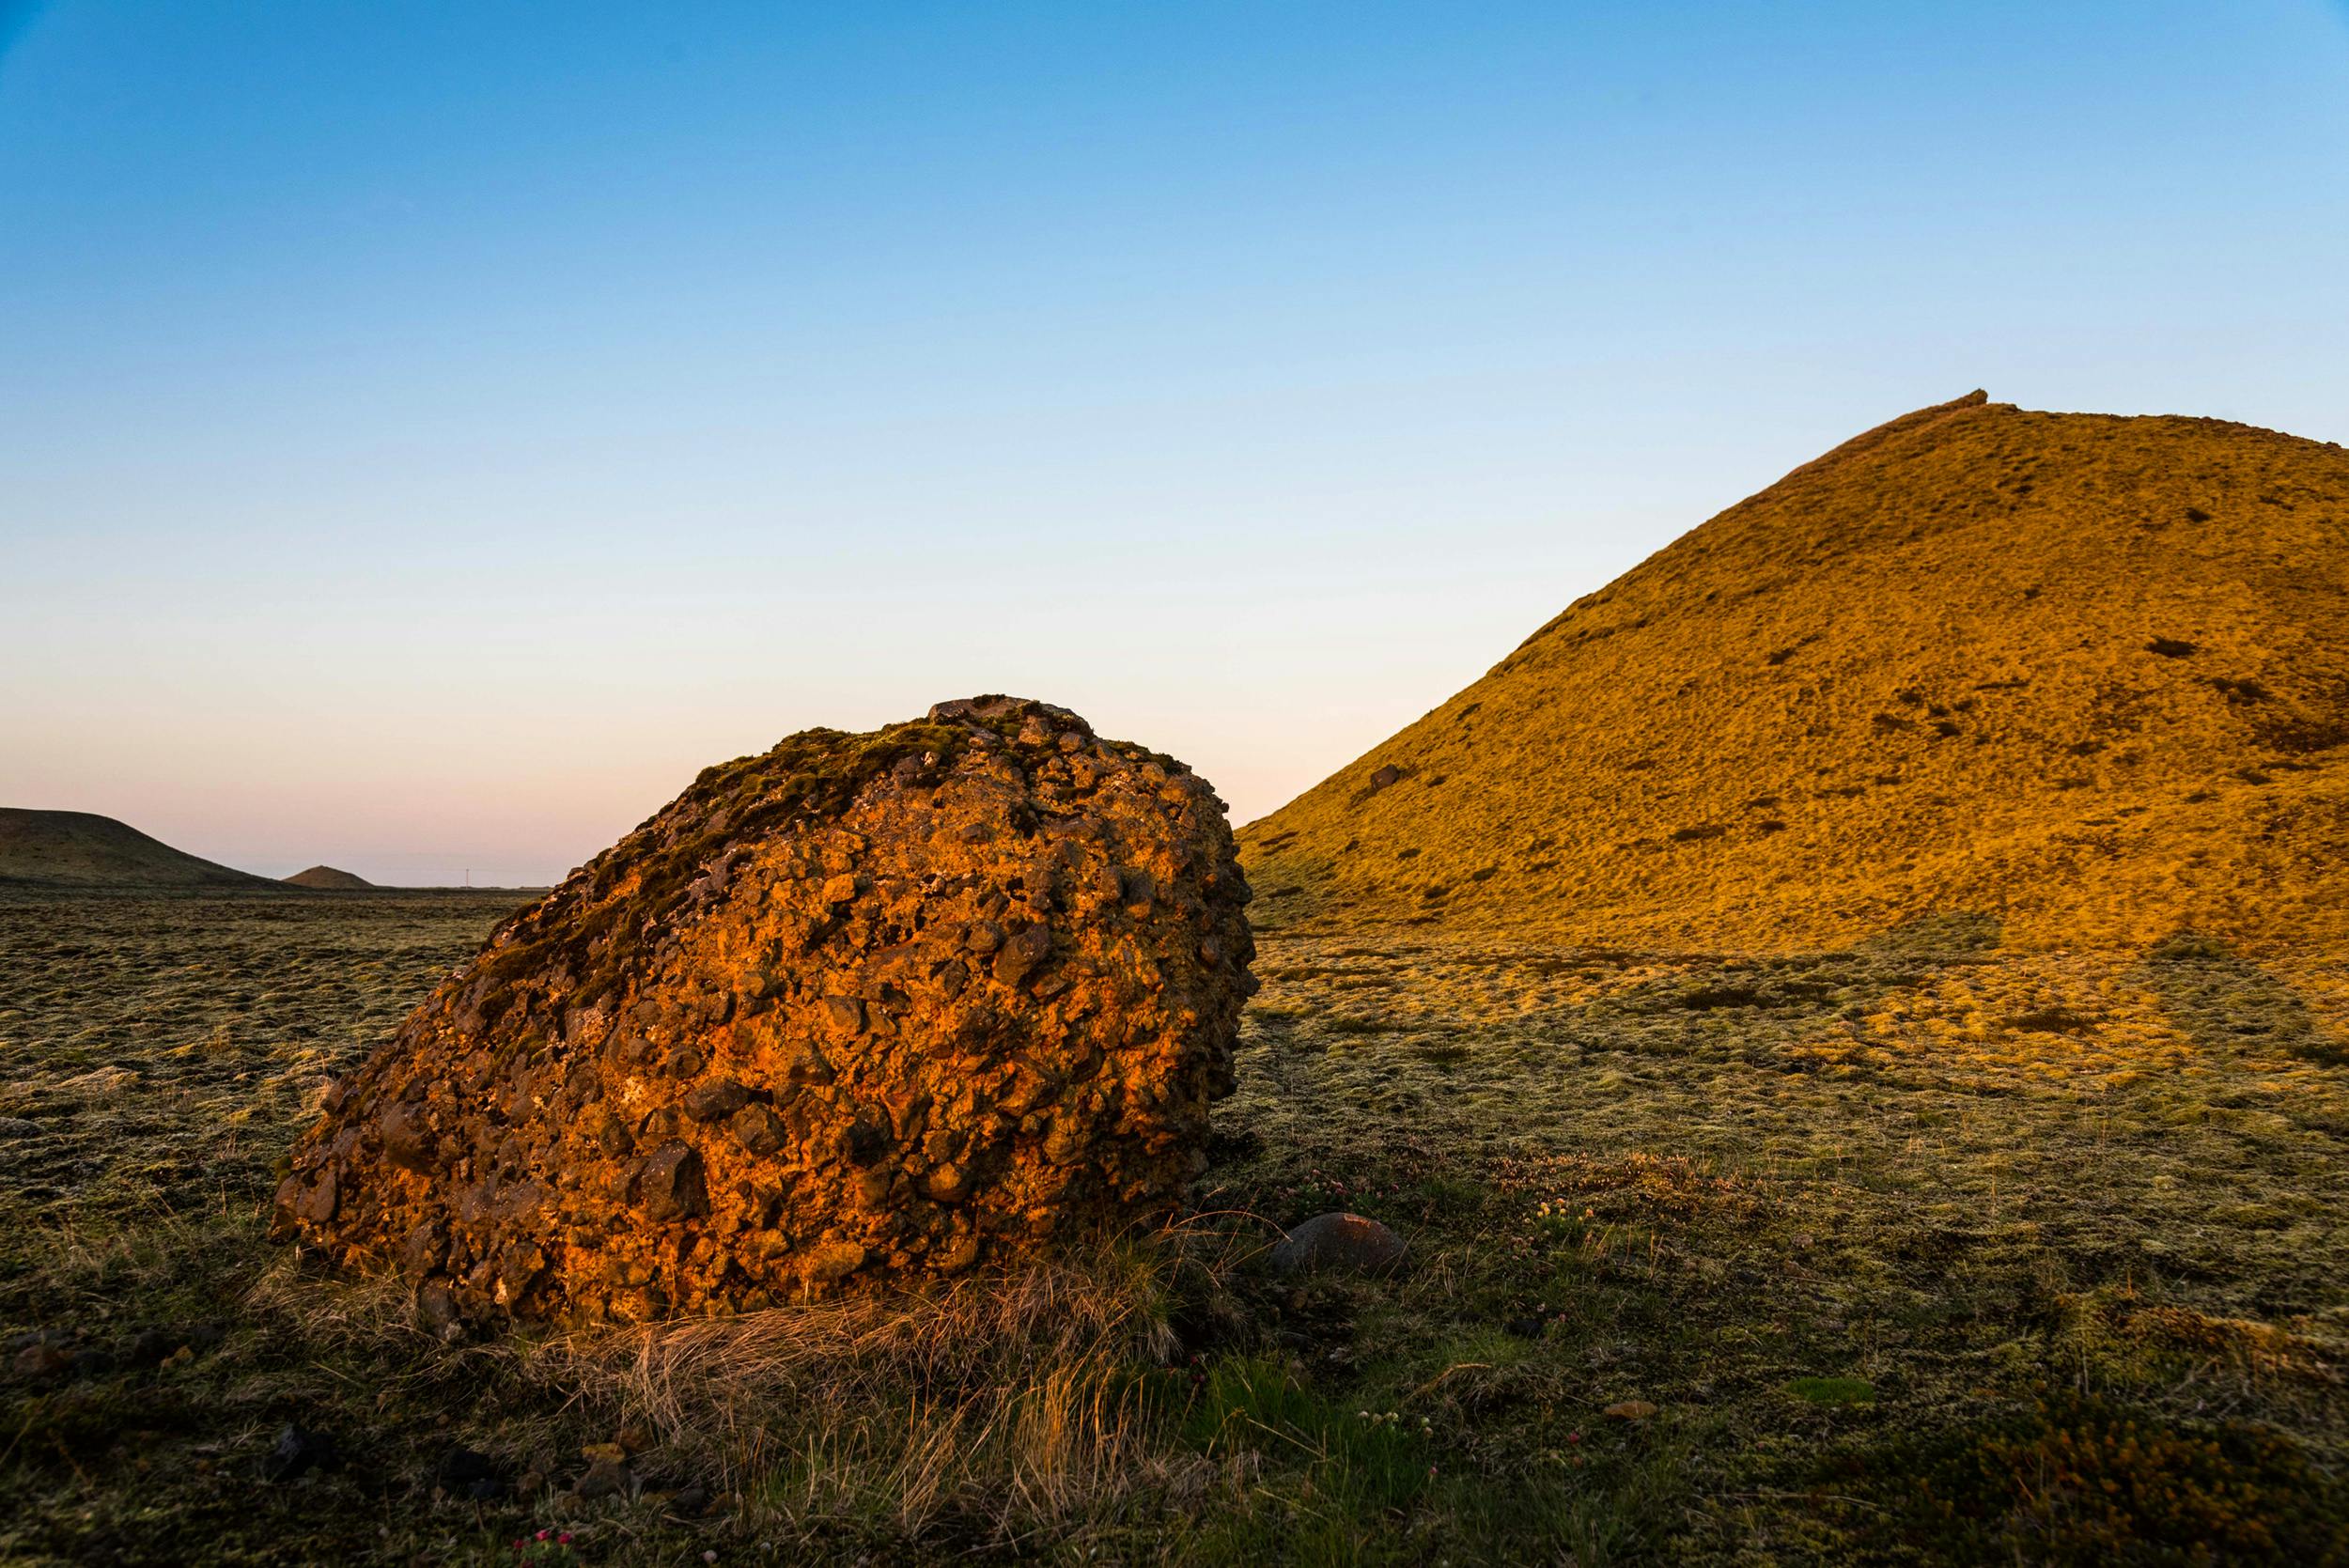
[{"x": 429, "y": 437}]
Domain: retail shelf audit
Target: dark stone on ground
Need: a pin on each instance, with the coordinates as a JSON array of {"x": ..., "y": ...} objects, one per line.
[
  {"x": 461, "y": 1468},
  {"x": 43, "y": 1356},
  {"x": 1338, "y": 1244},
  {"x": 298, "y": 1452},
  {"x": 605, "y": 1477},
  {"x": 437, "y": 1310},
  {"x": 153, "y": 1346}
]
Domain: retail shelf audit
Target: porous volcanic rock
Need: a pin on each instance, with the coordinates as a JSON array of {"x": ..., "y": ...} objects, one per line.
[{"x": 864, "y": 1007}]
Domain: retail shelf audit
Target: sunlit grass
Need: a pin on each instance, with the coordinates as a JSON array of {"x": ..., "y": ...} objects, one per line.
[{"x": 1806, "y": 1242}]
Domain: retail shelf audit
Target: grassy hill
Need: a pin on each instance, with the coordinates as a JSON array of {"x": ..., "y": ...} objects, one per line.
[
  {"x": 2072, "y": 678},
  {"x": 325, "y": 879},
  {"x": 73, "y": 849}
]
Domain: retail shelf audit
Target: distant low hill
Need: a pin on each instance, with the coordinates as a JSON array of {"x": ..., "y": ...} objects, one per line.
[
  {"x": 80, "y": 849},
  {"x": 325, "y": 879},
  {"x": 2082, "y": 679}
]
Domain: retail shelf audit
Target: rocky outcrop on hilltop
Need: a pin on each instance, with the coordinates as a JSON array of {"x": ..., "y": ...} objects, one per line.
[{"x": 861, "y": 1007}]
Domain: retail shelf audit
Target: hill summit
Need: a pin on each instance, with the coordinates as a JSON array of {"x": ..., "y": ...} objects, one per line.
[
  {"x": 2079, "y": 679},
  {"x": 325, "y": 879},
  {"x": 81, "y": 849}
]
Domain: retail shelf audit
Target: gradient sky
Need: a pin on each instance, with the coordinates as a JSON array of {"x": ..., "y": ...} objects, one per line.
[{"x": 430, "y": 433}]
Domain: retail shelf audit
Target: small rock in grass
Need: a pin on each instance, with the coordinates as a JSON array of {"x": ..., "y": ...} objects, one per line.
[
  {"x": 18, "y": 1127},
  {"x": 617, "y": 1452},
  {"x": 605, "y": 1477},
  {"x": 298, "y": 1452},
  {"x": 1339, "y": 1243},
  {"x": 438, "y": 1313},
  {"x": 691, "y": 1501},
  {"x": 1631, "y": 1411},
  {"x": 171, "y": 1344},
  {"x": 44, "y": 1358}
]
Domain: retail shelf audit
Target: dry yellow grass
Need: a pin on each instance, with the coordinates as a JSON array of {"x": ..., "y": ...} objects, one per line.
[
  {"x": 2080, "y": 678},
  {"x": 1840, "y": 1220}
]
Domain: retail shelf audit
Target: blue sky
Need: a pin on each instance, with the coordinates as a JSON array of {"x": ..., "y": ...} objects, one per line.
[{"x": 430, "y": 433}]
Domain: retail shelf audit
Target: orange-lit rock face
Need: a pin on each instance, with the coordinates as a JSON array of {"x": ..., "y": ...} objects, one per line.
[{"x": 863, "y": 1006}]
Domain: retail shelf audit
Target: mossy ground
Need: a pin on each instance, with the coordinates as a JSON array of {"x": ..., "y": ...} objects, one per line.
[{"x": 1924, "y": 1250}]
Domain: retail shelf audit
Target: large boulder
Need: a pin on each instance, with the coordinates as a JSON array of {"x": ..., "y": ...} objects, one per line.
[{"x": 864, "y": 1007}]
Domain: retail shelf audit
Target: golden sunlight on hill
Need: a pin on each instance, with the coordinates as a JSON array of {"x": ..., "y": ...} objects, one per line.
[{"x": 2067, "y": 680}]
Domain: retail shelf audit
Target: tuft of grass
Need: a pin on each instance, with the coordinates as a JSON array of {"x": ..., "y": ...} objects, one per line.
[
  {"x": 998, "y": 1405},
  {"x": 1833, "y": 1391}
]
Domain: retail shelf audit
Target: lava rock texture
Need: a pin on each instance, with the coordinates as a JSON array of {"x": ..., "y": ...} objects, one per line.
[{"x": 865, "y": 1006}]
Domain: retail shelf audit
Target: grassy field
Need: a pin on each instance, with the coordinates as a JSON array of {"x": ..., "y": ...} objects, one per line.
[{"x": 1924, "y": 1250}]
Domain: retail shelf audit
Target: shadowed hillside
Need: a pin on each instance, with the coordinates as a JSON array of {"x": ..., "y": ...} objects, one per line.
[
  {"x": 2074, "y": 678},
  {"x": 73, "y": 849}
]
